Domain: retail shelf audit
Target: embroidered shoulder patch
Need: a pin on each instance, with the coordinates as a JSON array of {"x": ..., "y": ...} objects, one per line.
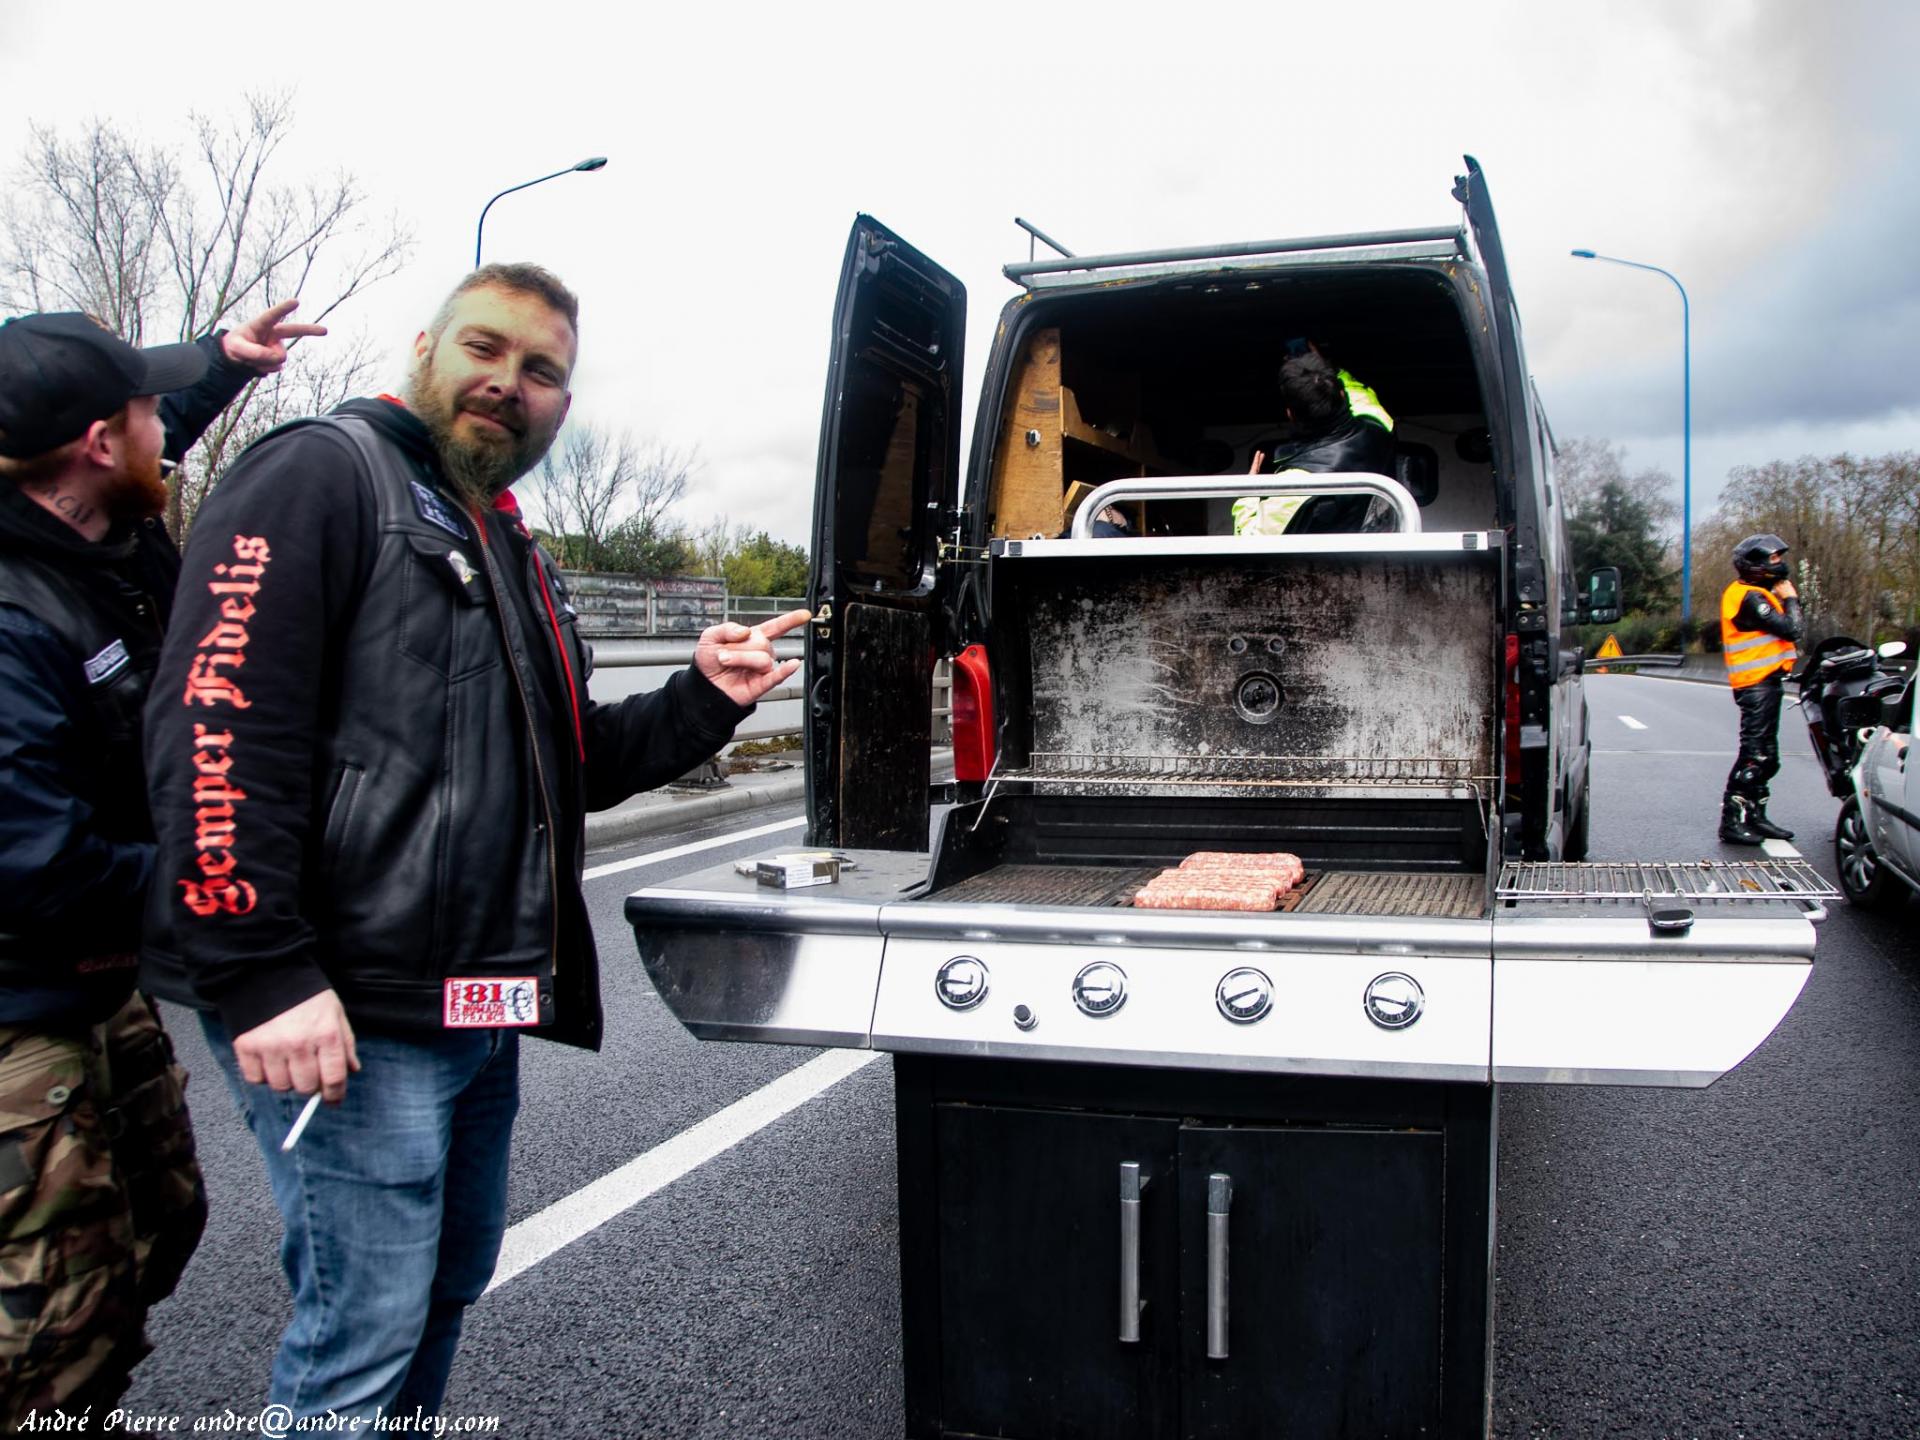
[
  {"x": 108, "y": 663},
  {"x": 436, "y": 511}
]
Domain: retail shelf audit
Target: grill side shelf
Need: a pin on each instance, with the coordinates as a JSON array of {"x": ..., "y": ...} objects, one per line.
[{"x": 1642, "y": 882}]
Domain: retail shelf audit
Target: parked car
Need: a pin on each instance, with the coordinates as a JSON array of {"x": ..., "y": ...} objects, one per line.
[{"x": 1877, "y": 841}]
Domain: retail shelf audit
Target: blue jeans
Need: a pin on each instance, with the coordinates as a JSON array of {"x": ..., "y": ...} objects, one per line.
[{"x": 393, "y": 1206}]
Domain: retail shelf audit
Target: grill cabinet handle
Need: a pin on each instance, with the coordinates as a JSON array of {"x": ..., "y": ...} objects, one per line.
[
  {"x": 1219, "y": 1202},
  {"x": 1133, "y": 1183}
]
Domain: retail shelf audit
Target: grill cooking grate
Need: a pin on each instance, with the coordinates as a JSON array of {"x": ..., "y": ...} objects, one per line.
[
  {"x": 1051, "y": 885},
  {"x": 1453, "y": 897},
  {"x": 1702, "y": 880}
]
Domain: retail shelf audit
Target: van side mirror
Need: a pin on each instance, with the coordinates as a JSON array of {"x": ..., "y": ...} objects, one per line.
[{"x": 1601, "y": 606}]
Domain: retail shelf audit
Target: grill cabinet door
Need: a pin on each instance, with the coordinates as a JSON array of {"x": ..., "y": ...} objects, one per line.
[
  {"x": 1030, "y": 1274},
  {"x": 884, "y": 495},
  {"x": 1334, "y": 1249}
]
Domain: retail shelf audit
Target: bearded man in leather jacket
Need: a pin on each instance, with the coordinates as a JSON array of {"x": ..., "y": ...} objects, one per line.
[
  {"x": 373, "y": 750},
  {"x": 1760, "y": 623}
]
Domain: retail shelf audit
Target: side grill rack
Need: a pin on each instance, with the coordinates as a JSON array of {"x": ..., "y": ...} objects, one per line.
[{"x": 1667, "y": 882}]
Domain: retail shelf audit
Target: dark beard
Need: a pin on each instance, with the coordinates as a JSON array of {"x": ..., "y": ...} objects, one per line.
[{"x": 476, "y": 472}]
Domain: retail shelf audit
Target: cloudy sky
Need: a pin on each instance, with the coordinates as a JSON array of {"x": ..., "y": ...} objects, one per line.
[{"x": 1762, "y": 150}]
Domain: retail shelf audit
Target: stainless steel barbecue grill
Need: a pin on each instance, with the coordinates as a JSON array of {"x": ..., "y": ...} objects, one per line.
[
  {"x": 1183, "y": 1172},
  {"x": 1557, "y": 972}
]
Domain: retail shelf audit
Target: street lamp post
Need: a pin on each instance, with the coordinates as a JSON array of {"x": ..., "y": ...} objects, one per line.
[
  {"x": 1686, "y": 423},
  {"x": 592, "y": 163}
]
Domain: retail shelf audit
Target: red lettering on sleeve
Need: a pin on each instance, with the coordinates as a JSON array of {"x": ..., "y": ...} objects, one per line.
[{"x": 210, "y": 682}]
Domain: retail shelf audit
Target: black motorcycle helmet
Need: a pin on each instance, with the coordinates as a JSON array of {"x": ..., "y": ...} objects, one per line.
[{"x": 1752, "y": 559}]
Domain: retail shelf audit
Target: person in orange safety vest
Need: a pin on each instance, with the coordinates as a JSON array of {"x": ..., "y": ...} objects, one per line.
[{"x": 1759, "y": 623}]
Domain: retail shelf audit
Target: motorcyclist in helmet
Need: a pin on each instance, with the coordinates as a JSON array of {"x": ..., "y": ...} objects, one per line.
[{"x": 1759, "y": 623}]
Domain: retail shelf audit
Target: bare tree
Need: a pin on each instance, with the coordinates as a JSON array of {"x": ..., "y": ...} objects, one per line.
[
  {"x": 595, "y": 480},
  {"x": 717, "y": 540},
  {"x": 1585, "y": 466},
  {"x": 172, "y": 243},
  {"x": 1854, "y": 526}
]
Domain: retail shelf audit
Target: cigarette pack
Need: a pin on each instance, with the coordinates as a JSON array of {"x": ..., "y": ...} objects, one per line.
[{"x": 791, "y": 872}]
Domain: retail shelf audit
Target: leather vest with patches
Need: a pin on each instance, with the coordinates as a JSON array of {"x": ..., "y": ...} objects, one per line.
[{"x": 438, "y": 767}]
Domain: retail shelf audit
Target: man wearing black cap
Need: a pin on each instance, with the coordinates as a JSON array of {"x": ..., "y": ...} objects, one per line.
[{"x": 100, "y": 1199}]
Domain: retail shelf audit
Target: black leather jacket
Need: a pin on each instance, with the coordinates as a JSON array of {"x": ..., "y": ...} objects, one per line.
[
  {"x": 387, "y": 789},
  {"x": 1355, "y": 445}
]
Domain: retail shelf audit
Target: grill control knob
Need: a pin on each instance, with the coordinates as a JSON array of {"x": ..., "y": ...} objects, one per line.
[
  {"x": 1244, "y": 996},
  {"x": 1394, "y": 1000},
  {"x": 961, "y": 983},
  {"x": 1100, "y": 988}
]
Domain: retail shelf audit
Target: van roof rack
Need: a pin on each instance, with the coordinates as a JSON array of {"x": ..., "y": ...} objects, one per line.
[{"x": 1032, "y": 272}]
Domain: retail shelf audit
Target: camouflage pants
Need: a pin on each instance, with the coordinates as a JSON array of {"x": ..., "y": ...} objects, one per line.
[{"x": 101, "y": 1206}]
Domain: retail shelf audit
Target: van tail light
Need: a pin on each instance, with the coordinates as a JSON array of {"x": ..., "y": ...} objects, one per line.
[
  {"x": 972, "y": 715},
  {"x": 1513, "y": 713}
]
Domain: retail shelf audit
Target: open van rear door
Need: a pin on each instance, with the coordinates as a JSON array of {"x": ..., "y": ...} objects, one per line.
[{"x": 885, "y": 493}]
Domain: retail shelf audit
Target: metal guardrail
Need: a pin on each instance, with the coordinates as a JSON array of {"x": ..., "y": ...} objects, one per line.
[{"x": 1673, "y": 662}]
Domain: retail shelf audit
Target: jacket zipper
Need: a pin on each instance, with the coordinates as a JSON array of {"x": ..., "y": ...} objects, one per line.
[{"x": 500, "y": 603}]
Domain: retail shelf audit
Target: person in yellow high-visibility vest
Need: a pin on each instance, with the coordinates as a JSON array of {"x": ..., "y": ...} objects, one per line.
[
  {"x": 1759, "y": 623},
  {"x": 1346, "y": 428}
]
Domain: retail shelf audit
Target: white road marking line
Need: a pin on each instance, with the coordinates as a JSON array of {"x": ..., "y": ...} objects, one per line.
[
  {"x": 1780, "y": 849},
  {"x": 675, "y": 852},
  {"x": 1631, "y": 723},
  {"x": 593, "y": 1205}
]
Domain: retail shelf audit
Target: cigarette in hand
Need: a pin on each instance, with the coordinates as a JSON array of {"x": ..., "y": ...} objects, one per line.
[{"x": 300, "y": 1125}]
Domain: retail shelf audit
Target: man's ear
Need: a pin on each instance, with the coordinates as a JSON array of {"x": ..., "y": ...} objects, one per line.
[
  {"x": 422, "y": 346},
  {"x": 99, "y": 445},
  {"x": 565, "y": 406}
]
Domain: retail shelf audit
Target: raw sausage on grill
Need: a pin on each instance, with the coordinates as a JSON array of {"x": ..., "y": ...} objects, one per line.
[
  {"x": 1185, "y": 890},
  {"x": 1237, "y": 863}
]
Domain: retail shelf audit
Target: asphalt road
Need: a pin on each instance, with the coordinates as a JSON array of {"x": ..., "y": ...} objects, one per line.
[{"x": 1739, "y": 1261}]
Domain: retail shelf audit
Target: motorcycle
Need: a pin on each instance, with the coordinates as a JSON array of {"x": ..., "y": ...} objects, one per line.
[{"x": 1841, "y": 687}]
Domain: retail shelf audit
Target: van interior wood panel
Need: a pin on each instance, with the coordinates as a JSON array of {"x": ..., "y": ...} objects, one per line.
[
  {"x": 1369, "y": 656},
  {"x": 886, "y": 730},
  {"x": 1027, "y": 485}
]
